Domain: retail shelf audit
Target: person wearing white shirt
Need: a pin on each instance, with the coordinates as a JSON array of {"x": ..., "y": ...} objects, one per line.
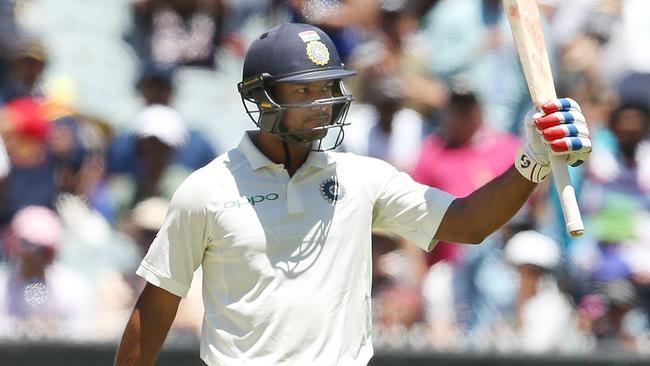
[{"x": 281, "y": 225}]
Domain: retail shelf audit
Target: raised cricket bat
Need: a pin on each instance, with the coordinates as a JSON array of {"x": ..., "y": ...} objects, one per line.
[{"x": 526, "y": 28}]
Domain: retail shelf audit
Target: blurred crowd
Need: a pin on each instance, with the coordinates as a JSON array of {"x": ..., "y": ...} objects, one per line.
[{"x": 440, "y": 95}]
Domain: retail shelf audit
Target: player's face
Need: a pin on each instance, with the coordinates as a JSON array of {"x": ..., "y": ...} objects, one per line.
[{"x": 303, "y": 120}]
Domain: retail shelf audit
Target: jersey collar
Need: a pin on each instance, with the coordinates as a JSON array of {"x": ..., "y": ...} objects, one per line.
[
  {"x": 258, "y": 160},
  {"x": 319, "y": 159}
]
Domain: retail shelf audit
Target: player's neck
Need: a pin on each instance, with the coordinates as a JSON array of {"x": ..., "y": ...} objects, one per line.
[{"x": 271, "y": 146}]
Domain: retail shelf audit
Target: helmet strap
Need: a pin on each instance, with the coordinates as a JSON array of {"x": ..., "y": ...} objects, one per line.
[
  {"x": 285, "y": 145},
  {"x": 287, "y": 154}
]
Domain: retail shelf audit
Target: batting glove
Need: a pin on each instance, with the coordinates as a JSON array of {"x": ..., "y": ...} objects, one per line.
[{"x": 559, "y": 128}]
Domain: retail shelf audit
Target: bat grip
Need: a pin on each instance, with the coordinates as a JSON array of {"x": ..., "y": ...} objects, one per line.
[{"x": 565, "y": 191}]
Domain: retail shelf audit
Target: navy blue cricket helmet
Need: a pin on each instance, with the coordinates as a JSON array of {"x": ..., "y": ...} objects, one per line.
[{"x": 293, "y": 53}]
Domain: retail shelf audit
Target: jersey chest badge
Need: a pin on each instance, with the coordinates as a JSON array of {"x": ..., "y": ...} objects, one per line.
[{"x": 331, "y": 190}]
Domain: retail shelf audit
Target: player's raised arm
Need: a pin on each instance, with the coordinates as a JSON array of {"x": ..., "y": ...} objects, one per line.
[
  {"x": 147, "y": 328},
  {"x": 561, "y": 125}
]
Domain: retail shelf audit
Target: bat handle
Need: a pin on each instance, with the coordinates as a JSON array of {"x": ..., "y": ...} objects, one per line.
[{"x": 574, "y": 225}]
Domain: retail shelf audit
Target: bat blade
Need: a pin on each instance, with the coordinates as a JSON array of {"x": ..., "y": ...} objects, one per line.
[{"x": 526, "y": 28}]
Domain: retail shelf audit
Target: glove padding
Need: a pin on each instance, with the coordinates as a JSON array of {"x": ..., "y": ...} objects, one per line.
[{"x": 559, "y": 128}]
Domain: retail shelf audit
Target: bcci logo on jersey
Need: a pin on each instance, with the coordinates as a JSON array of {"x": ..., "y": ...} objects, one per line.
[{"x": 331, "y": 190}]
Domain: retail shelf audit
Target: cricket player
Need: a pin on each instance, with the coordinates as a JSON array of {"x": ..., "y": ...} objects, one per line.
[{"x": 281, "y": 225}]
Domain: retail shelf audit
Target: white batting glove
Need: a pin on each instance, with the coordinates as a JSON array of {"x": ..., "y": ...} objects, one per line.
[{"x": 560, "y": 128}]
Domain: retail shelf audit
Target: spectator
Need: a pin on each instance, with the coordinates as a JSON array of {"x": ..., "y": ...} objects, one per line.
[
  {"x": 41, "y": 299},
  {"x": 82, "y": 174},
  {"x": 464, "y": 304},
  {"x": 619, "y": 164},
  {"x": 616, "y": 182},
  {"x": 398, "y": 269},
  {"x": 544, "y": 315},
  {"x": 382, "y": 128},
  {"x": 581, "y": 77},
  {"x": 156, "y": 84},
  {"x": 28, "y": 61},
  {"x": 178, "y": 32},
  {"x": 159, "y": 133},
  {"x": 398, "y": 321},
  {"x": 443, "y": 316},
  {"x": 460, "y": 158},
  {"x": 637, "y": 255},
  {"x": 25, "y": 130},
  {"x": 471, "y": 38},
  {"x": 613, "y": 316},
  {"x": 598, "y": 49},
  {"x": 48, "y": 157},
  {"x": 615, "y": 201},
  {"x": 394, "y": 51},
  {"x": 83, "y": 200},
  {"x": 119, "y": 289},
  {"x": 635, "y": 88},
  {"x": 453, "y": 160}
]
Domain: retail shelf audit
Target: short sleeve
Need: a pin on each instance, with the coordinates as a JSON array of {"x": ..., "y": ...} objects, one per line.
[
  {"x": 177, "y": 251},
  {"x": 408, "y": 208}
]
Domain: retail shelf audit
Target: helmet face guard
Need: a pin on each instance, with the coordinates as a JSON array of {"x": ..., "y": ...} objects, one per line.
[
  {"x": 268, "y": 114},
  {"x": 295, "y": 53}
]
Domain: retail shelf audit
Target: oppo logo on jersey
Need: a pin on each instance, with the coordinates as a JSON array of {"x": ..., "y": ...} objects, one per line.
[{"x": 253, "y": 200}]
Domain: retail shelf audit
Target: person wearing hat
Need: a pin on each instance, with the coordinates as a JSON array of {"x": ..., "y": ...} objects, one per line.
[
  {"x": 281, "y": 225},
  {"x": 28, "y": 61},
  {"x": 544, "y": 316},
  {"x": 190, "y": 152},
  {"x": 159, "y": 133},
  {"x": 38, "y": 297}
]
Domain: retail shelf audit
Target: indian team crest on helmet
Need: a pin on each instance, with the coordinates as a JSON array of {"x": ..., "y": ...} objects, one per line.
[
  {"x": 331, "y": 190},
  {"x": 318, "y": 53}
]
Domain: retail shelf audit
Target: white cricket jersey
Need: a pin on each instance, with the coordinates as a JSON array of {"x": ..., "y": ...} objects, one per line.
[{"x": 287, "y": 260}]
